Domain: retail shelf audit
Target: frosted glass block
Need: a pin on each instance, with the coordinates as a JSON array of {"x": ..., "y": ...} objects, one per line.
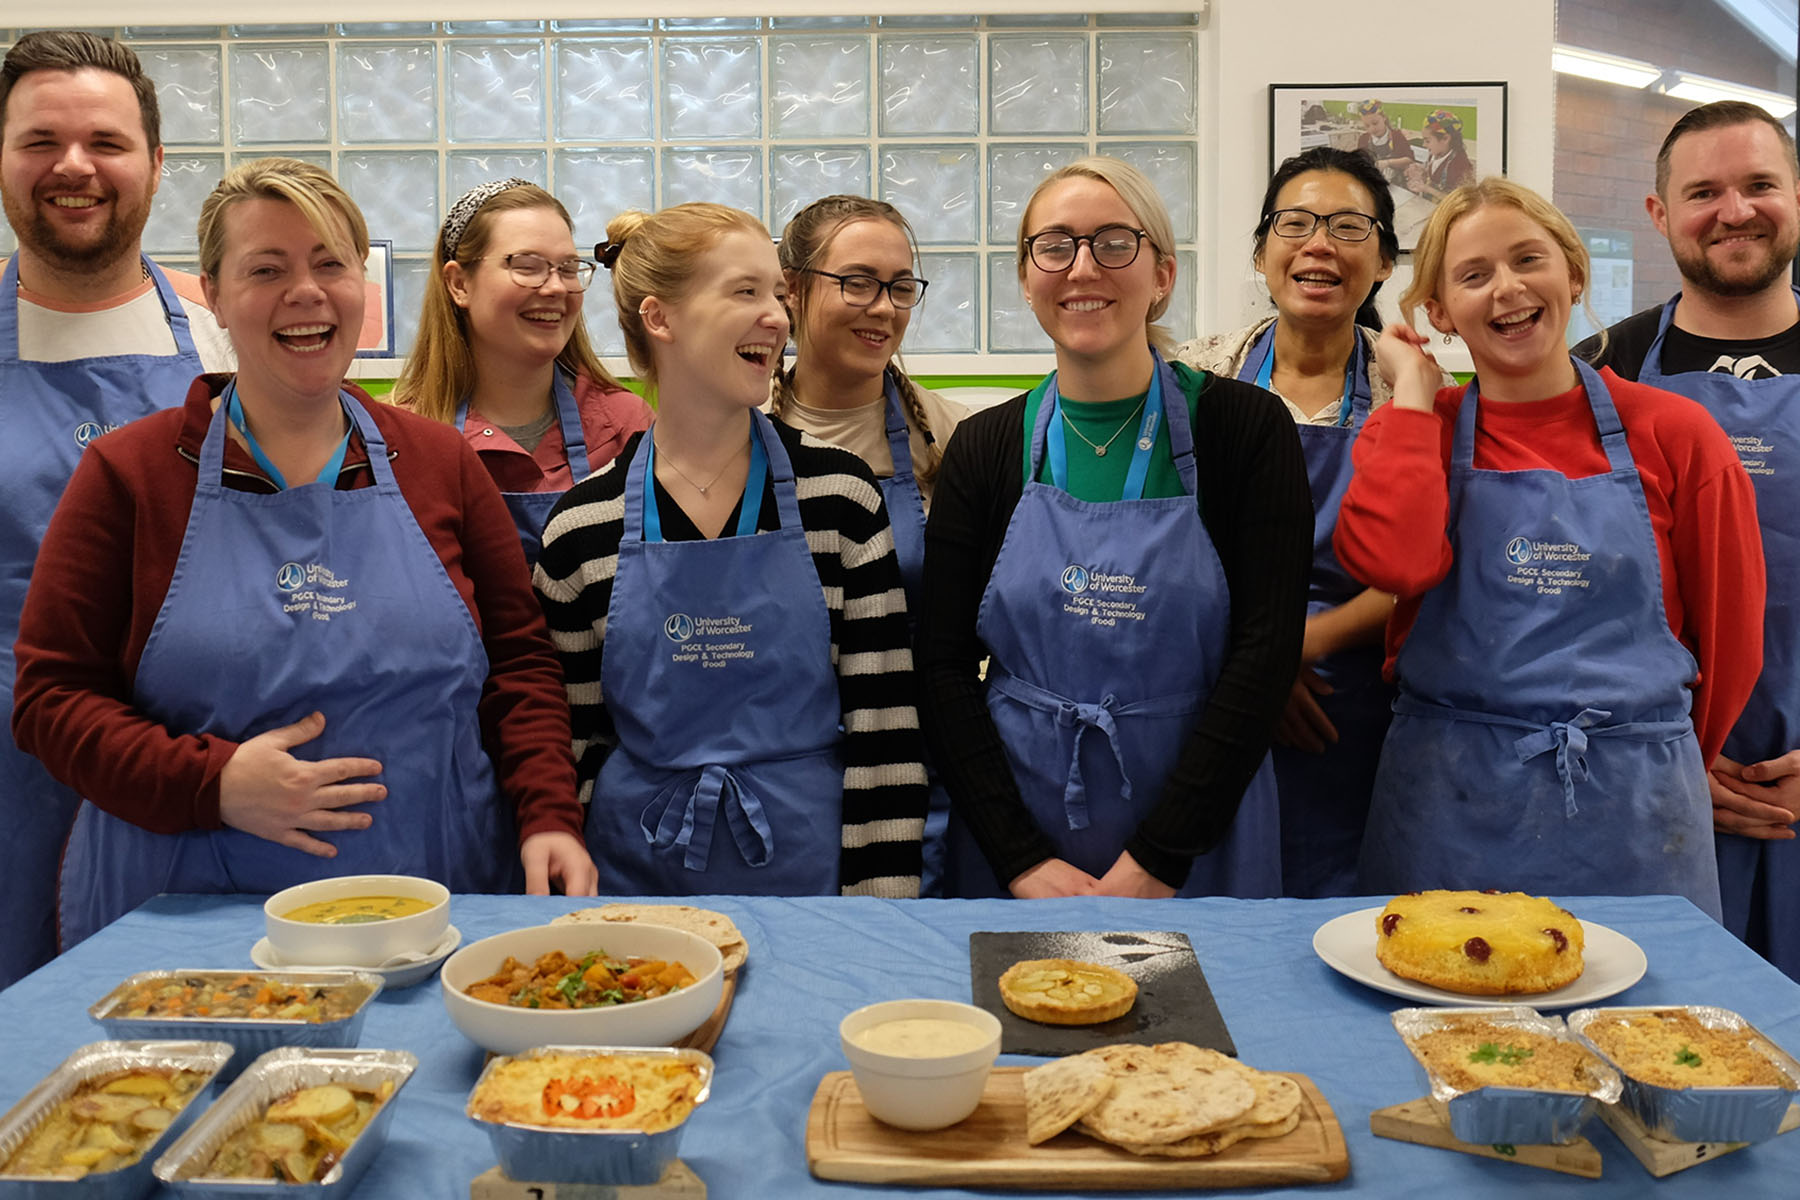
[
  {"x": 711, "y": 88},
  {"x": 8, "y": 243},
  {"x": 936, "y": 187},
  {"x": 387, "y": 28},
  {"x": 731, "y": 175},
  {"x": 798, "y": 175},
  {"x": 189, "y": 92},
  {"x": 602, "y": 25},
  {"x": 821, "y": 87},
  {"x": 949, "y": 319},
  {"x": 818, "y": 22},
  {"x": 493, "y": 27},
  {"x": 603, "y": 90},
  {"x": 601, "y": 312},
  {"x": 1037, "y": 84},
  {"x": 280, "y": 30},
  {"x": 1147, "y": 83},
  {"x": 387, "y": 92},
  {"x": 926, "y": 22},
  {"x": 1179, "y": 320},
  {"x": 472, "y": 168},
  {"x": 1001, "y": 21},
  {"x": 1013, "y": 174},
  {"x": 1011, "y": 323},
  {"x": 409, "y": 298},
  {"x": 688, "y": 23},
  {"x": 144, "y": 33},
  {"x": 496, "y": 92},
  {"x": 597, "y": 185},
  {"x": 281, "y": 93},
  {"x": 1174, "y": 168},
  {"x": 930, "y": 85},
  {"x": 398, "y": 193},
  {"x": 1150, "y": 18},
  {"x": 319, "y": 158},
  {"x": 187, "y": 180}
]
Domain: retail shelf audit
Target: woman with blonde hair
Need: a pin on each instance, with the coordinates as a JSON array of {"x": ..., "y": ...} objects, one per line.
[
  {"x": 1580, "y": 585},
  {"x": 1128, "y": 545},
  {"x": 728, "y": 605},
  {"x": 274, "y": 630},
  {"x": 503, "y": 353}
]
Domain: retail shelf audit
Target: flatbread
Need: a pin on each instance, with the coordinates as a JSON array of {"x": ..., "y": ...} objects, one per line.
[
  {"x": 1204, "y": 1144},
  {"x": 715, "y": 927},
  {"x": 1277, "y": 1096},
  {"x": 1158, "y": 1098},
  {"x": 1059, "y": 1093}
]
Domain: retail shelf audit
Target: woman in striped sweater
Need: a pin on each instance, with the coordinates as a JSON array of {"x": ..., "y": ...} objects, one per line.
[{"x": 728, "y": 606}]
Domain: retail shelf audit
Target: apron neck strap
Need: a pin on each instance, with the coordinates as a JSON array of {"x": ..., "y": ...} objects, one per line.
[
  {"x": 1164, "y": 398},
  {"x": 234, "y": 411},
  {"x": 1606, "y": 421},
  {"x": 568, "y": 419},
  {"x": 1354, "y": 403},
  {"x": 173, "y": 311},
  {"x": 643, "y": 519},
  {"x": 899, "y": 439}
]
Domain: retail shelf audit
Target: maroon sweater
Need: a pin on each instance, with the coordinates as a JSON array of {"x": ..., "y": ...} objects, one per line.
[{"x": 104, "y": 571}]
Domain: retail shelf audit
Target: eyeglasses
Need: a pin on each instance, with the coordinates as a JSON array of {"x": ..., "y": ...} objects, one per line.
[
  {"x": 1114, "y": 247},
  {"x": 533, "y": 270},
  {"x": 860, "y": 291},
  {"x": 1346, "y": 226}
]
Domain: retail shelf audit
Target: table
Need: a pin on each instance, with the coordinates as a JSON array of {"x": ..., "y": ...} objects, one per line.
[{"x": 813, "y": 960}]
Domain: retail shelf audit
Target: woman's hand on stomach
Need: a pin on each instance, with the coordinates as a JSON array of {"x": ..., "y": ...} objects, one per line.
[{"x": 266, "y": 791}]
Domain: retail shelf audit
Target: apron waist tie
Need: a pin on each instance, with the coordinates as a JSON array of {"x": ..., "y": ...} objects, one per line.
[
  {"x": 689, "y": 823},
  {"x": 1569, "y": 739},
  {"x": 1083, "y": 717}
]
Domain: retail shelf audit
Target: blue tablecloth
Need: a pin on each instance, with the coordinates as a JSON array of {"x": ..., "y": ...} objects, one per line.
[{"x": 811, "y": 961}]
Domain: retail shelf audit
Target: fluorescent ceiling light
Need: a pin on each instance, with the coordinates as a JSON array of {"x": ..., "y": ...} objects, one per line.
[
  {"x": 1607, "y": 68},
  {"x": 1703, "y": 90}
]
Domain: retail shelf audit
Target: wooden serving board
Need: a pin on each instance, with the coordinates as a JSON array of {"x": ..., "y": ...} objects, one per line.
[
  {"x": 989, "y": 1149},
  {"x": 704, "y": 1038},
  {"x": 1423, "y": 1123},
  {"x": 1662, "y": 1158}
]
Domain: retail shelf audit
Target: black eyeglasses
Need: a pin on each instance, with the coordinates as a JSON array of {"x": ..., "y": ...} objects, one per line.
[
  {"x": 1114, "y": 247},
  {"x": 1346, "y": 226},
  {"x": 533, "y": 270},
  {"x": 860, "y": 291}
]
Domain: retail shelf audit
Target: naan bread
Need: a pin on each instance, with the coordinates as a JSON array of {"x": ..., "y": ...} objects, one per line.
[
  {"x": 1059, "y": 1093},
  {"x": 1157, "y": 1098},
  {"x": 715, "y": 927}
]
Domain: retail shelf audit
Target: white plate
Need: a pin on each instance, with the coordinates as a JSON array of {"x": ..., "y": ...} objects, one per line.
[
  {"x": 263, "y": 955},
  {"x": 1613, "y": 963}
]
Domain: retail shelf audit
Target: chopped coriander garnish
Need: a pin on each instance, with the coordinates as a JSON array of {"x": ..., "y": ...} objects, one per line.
[
  {"x": 1510, "y": 1056},
  {"x": 1685, "y": 1057}
]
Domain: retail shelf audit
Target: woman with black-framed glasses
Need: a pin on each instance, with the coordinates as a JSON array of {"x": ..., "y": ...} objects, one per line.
[
  {"x": 503, "y": 354},
  {"x": 1127, "y": 545},
  {"x": 1324, "y": 244}
]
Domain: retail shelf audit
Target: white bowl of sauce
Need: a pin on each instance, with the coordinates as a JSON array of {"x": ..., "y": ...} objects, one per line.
[
  {"x": 356, "y": 920},
  {"x": 920, "y": 1064}
]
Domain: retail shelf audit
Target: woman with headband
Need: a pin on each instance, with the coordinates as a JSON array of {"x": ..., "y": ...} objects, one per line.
[
  {"x": 503, "y": 353},
  {"x": 728, "y": 605},
  {"x": 1127, "y": 545},
  {"x": 1447, "y": 167}
]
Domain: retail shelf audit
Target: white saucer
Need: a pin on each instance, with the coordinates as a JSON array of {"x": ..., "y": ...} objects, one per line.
[{"x": 405, "y": 975}]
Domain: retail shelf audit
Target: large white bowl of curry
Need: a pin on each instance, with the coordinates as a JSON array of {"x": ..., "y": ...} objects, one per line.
[
  {"x": 516, "y": 1026},
  {"x": 356, "y": 920}
]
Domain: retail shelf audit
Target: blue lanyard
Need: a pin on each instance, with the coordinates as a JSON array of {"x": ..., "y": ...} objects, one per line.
[
  {"x": 1266, "y": 373},
  {"x": 1139, "y": 473},
  {"x": 749, "y": 510},
  {"x": 234, "y": 409}
]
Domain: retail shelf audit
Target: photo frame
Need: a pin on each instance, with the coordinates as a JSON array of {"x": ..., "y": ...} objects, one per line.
[
  {"x": 1428, "y": 138},
  {"x": 376, "y": 340}
]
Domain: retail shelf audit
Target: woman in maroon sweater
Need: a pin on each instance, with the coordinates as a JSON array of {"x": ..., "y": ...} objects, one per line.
[{"x": 277, "y": 633}]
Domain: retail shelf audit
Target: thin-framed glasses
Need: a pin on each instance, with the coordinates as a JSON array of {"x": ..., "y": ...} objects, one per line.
[
  {"x": 533, "y": 270},
  {"x": 1346, "y": 226},
  {"x": 860, "y": 291},
  {"x": 1114, "y": 247}
]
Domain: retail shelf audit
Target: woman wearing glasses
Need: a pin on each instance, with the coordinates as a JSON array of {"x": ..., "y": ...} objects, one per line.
[
  {"x": 503, "y": 354},
  {"x": 1324, "y": 244},
  {"x": 1128, "y": 545}
]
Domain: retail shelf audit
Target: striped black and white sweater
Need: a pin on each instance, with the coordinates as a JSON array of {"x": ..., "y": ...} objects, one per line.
[{"x": 852, "y": 548}]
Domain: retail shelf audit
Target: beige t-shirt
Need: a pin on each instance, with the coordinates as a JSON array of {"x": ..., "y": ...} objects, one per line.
[
  {"x": 863, "y": 430},
  {"x": 130, "y": 324}
]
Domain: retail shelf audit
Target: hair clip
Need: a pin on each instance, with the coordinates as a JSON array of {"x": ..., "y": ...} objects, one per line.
[{"x": 607, "y": 253}]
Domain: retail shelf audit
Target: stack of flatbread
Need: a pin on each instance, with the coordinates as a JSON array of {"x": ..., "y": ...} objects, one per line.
[
  {"x": 715, "y": 927},
  {"x": 1172, "y": 1099}
]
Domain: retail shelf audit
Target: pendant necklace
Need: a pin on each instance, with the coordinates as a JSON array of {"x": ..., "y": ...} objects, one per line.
[
  {"x": 1099, "y": 449},
  {"x": 699, "y": 487}
]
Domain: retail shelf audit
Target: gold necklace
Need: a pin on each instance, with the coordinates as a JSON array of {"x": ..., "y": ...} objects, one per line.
[
  {"x": 1100, "y": 449},
  {"x": 702, "y": 488}
]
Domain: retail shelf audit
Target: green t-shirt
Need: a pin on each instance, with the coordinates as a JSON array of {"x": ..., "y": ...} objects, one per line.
[{"x": 1092, "y": 477}]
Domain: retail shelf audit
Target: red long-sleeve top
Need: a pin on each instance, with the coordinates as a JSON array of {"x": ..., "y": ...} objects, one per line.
[
  {"x": 1393, "y": 526},
  {"x": 104, "y": 571}
]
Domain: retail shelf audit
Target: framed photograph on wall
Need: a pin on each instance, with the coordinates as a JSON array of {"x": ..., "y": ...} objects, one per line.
[
  {"x": 376, "y": 339},
  {"x": 1428, "y": 138}
]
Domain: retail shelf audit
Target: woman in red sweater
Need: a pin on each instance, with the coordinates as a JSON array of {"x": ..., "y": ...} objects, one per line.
[
  {"x": 274, "y": 634},
  {"x": 1577, "y": 564}
]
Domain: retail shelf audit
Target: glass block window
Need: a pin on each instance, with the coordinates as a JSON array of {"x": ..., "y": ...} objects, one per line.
[{"x": 953, "y": 119}]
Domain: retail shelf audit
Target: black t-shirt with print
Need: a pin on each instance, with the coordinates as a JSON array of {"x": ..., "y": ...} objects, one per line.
[{"x": 1628, "y": 345}]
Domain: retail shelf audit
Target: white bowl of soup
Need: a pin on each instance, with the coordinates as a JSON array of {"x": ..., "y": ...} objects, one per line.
[
  {"x": 356, "y": 920},
  {"x": 920, "y": 1064},
  {"x": 560, "y": 987}
]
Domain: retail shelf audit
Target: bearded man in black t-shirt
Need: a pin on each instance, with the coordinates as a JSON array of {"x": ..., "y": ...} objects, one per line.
[{"x": 1728, "y": 200}]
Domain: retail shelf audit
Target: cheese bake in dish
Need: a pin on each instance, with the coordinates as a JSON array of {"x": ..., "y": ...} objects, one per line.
[
  {"x": 1673, "y": 1048},
  {"x": 1470, "y": 1054},
  {"x": 647, "y": 1092},
  {"x": 1480, "y": 943},
  {"x": 1063, "y": 991}
]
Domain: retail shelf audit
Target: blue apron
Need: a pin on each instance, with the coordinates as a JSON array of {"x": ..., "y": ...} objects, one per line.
[
  {"x": 49, "y": 412},
  {"x": 531, "y": 510},
  {"x": 1760, "y": 880},
  {"x": 1325, "y": 797},
  {"x": 311, "y": 598},
  {"x": 1107, "y": 626},
  {"x": 718, "y": 655},
  {"x": 1541, "y": 740}
]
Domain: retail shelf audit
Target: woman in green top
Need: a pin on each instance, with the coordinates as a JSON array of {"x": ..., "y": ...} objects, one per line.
[{"x": 1128, "y": 545}]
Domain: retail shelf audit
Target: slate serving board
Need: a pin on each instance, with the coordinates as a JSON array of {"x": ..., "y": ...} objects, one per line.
[{"x": 1174, "y": 1003}]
